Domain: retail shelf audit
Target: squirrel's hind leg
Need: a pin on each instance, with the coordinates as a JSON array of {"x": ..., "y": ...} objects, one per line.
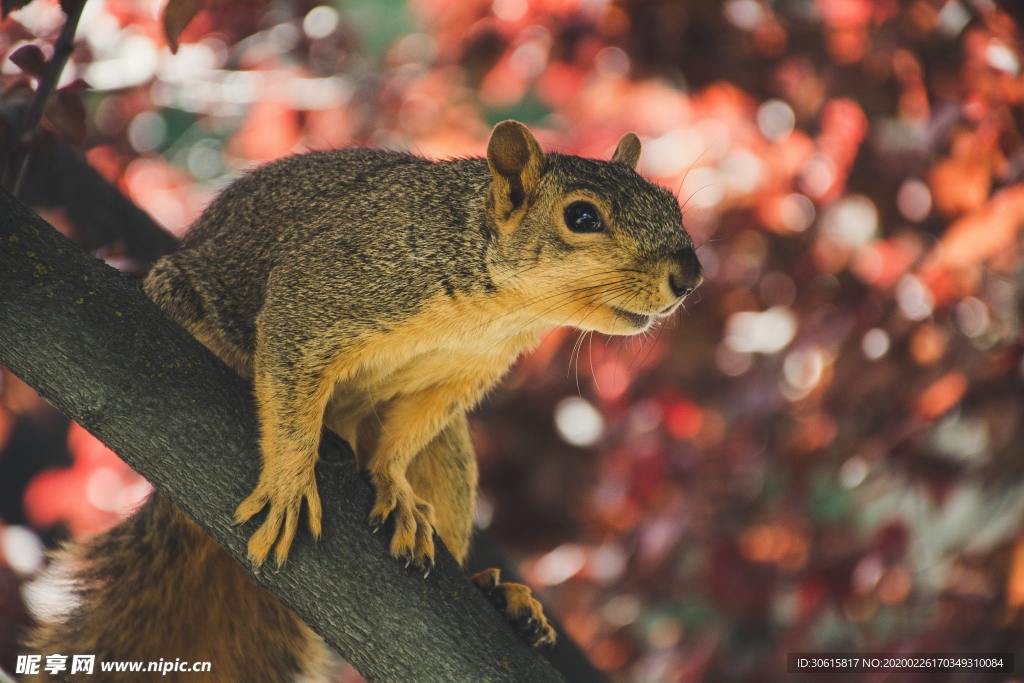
[
  {"x": 409, "y": 425},
  {"x": 444, "y": 474}
]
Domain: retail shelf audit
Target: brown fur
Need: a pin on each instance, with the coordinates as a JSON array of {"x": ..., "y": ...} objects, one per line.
[
  {"x": 382, "y": 295},
  {"x": 157, "y": 587}
]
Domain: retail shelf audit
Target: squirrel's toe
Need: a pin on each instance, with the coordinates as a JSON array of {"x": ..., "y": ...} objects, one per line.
[
  {"x": 517, "y": 603},
  {"x": 412, "y": 541}
]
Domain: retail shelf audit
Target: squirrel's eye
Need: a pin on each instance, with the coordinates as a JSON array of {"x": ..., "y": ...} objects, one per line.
[{"x": 583, "y": 217}]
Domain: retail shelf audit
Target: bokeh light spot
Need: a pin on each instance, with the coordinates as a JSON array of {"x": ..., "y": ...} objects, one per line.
[
  {"x": 578, "y": 422},
  {"x": 766, "y": 332},
  {"x": 320, "y": 22},
  {"x": 875, "y": 343},
  {"x": 775, "y": 119},
  {"x": 914, "y": 200}
]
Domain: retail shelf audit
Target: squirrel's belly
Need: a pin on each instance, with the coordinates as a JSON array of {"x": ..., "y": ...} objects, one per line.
[
  {"x": 357, "y": 396},
  {"x": 368, "y": 392}
]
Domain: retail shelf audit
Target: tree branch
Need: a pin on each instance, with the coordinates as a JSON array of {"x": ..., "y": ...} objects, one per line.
[
  {"x": 88, "y": 340},
  {"x": 59, "y": 176}
]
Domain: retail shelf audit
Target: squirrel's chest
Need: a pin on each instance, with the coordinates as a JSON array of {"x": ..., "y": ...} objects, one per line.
[
  {"x": 442, "y": 348},
  {"x": 446, "y": 359},
  {"x": 451, "y": 352}
]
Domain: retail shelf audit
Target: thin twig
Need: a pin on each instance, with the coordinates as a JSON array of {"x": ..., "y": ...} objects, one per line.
[{"x": 62, "y": 50}]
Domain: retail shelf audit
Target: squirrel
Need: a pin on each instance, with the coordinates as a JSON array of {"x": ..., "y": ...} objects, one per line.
[{"x": 381, "y": 295}]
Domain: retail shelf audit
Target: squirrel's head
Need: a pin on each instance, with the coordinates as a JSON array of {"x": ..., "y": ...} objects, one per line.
[{"x": 588, "y": 243}]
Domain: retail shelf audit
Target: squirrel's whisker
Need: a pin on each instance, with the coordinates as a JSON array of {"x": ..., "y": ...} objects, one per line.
[
  {"x": 588, "y": 302},
  {"x": 582, "y": 293},
  {"x": 579, "y": 294},
  {"x": 531, "y": 302},
  {"x": 590, "y": 354},
  {"x": 690, "y": 168},
  {"x": 652, "y": 343}
]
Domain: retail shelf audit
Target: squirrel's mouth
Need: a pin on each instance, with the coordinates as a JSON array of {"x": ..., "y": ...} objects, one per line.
[{"x": 638, "y": 320}]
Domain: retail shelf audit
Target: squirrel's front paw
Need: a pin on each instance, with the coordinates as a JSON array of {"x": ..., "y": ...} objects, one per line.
[
  {"x": 413, "y": 518},
  {"x": 284, "y": 495},
  {"x": 517, "y": 603}
]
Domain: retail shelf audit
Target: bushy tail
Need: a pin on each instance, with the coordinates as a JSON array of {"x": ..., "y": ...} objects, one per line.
[{"x": 155, "y": 588}]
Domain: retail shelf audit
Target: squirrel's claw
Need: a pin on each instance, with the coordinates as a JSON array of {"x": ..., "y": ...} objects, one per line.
[
  {"x": 517, "y": 603},
  {"x": 278, "y": 530},
  {"x": 413, "y": 519}
]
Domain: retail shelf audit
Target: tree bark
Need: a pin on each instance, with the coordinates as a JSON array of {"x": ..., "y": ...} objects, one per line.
[{"x": 88, "y": 340}]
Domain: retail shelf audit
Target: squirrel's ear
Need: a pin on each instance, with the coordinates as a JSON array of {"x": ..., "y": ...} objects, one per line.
[
  {"x": 516, "y": 162},
  {"x": 627, "y": 151}
]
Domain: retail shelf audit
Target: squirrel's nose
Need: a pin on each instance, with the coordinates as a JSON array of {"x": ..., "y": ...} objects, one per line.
[{"x": 685, "y": 274}]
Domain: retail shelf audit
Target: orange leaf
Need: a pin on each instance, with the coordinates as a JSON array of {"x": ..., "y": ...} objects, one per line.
[
  {"x": 980, "y": 235},
  {"x": 960, "y": 185},
  {"x": 942, "y": 394},
  {"x": 271, "y": 130},
  {"x": 1015, "y": 579}
]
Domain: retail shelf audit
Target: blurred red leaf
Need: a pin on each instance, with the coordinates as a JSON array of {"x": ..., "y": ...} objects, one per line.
[
  {"x": 177, "y": 15},
  {"x": 845, "y": 13},
  {"x": 774, "y": 544},
  {"x": 186, "y": 20},
  {"x": 89, "y": 496},
  {"x": 883, "y": 262},
  {"x": 30, "y": 59},
  {"x": 270, "y": 131},
  {"x": 684, "y": 419},
  {"x": 892, "y": 540},
  {"x": 928, "y": 343},
  {"x": 959, "y": 185}
]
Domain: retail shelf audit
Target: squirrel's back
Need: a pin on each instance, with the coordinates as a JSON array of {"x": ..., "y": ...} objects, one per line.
[
  {"x": 296, "y": 196},
  {"x": 377, "y": 210}
]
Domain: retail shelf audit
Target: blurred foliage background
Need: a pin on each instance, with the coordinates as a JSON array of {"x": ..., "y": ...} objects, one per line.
[{"x": 823, "y": 452}]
